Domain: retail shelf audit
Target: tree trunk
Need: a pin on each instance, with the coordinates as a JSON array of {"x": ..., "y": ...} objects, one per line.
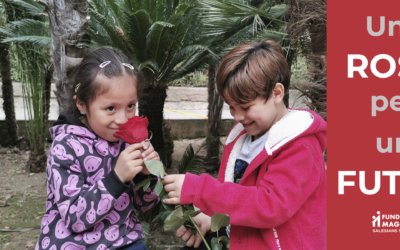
[
  {"x": 8, "y": 97},
  {"x": 68, "y": 23},
  {"x": 215, "y": 104},
  {"x": 47, "y": 92},
  {"x": 37, "y": 160},
  {"x": 151, "y": 105}
]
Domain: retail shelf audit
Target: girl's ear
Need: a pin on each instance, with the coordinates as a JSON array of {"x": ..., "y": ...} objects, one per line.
[
  {"x": 279, "y": 93},
  {"x": 80, "y": 105}
]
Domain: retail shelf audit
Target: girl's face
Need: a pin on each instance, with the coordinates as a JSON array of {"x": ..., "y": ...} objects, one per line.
[
  {"x": 258, "y": 116},
  {"x": 113, "y": 108}
]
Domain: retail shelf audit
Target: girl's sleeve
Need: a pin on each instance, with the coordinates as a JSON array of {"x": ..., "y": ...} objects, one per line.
[
  {"x": 145, "y": 199},
  {"x": 80, "y": 205},
  {"x": 281, "y": 192}
]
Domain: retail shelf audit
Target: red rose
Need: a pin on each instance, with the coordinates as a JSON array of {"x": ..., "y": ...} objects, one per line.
[{"x": 134, "y": 130}]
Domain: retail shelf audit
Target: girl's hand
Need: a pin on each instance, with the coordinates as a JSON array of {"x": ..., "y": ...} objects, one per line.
[
  {"x": 129, "y": 162},
  {"x": 204, "y": 223},
  {"x": 173, "y": 184},
  {"x": 148, "y": 154}
]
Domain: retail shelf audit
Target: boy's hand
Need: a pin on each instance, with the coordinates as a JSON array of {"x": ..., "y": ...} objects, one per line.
[
  {"x": 148, "y": 154},
  {"x": 173, "y": 185},
  {"x": 204, "y": 223}
]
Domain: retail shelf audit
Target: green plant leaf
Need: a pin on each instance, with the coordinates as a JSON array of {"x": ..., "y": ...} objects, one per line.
[
  {"x": 158, "y": 189},
  {"x": 146, "y": 227},
  {"x": 147, "y": 185},
  {"x": 218, "y": 221},
  {"x": 225, "y": 241},
  {"x": 214, "y": 244},
  {"x": 142, "y": 183},
  {"x": 174, "y": 220},
  {"x": 162, "y": 216},
  {"x": 162, "y": 193},
  {"x": 155, "y": 167},
  {"x": 191, "y": 213}
]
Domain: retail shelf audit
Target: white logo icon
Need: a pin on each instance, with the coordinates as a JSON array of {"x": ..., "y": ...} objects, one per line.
[{"x": 377, "y": 220}]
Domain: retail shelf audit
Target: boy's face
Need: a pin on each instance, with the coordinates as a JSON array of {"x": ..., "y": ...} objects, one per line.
[
  {"x": 258, "y": 116},
  {"x": 113, "y": 108}
]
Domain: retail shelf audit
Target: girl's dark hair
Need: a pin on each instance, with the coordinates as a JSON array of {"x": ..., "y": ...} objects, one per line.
[
  {"x": 86, "y": 72},
  {"x": 251, "y": 70}
]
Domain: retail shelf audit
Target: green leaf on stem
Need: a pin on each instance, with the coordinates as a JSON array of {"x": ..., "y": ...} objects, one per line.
[
  {"x": 159, "y": 188},
  {"x": 174, "y": 220},
  {"x": 147, "y": 185},
  {"x": 155, "y": 167},
  {"x": 218, "y": 221},
  {"x": 225, "y": 241},
  {"x": 162, "y": 216},
  {"x": 163, "y": 193},
  {"x": 143, "y": 183},
  {"x": 191, "y": 213},
  {"x": 214, "y": 244}
]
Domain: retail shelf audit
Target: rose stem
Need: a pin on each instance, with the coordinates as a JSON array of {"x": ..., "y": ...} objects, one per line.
[{"x": 199, "y": 232}]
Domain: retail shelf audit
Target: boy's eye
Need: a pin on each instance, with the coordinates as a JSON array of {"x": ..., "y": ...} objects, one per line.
[
  {"x": 246, "y": 108},
  {"x": 111, "y": 109}
]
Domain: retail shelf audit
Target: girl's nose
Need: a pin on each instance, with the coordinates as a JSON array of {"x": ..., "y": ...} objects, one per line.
[{"x": 121, "y": 118}]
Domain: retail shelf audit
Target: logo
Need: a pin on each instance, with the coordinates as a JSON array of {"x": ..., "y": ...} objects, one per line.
[
  {"x": 385, "y": 223},
  {"x": 376, "y": 220}
]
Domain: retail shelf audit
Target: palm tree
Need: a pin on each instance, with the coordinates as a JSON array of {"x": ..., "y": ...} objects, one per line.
[
  {"x": 29, "y": 39},
  {"x": 307, "y": 26},
  {"x": 164, "y": 38},
  {"x": 7, "y": 87},
  {"x": 68, "y": 22},
  {"x": 230, "y": 23}
]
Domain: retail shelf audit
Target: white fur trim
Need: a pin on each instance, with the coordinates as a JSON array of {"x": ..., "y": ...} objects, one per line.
[
  {"x": 234, "y": 133},
  {"x": 230, "y": 166},
  {"x": 287, "y": 129}
]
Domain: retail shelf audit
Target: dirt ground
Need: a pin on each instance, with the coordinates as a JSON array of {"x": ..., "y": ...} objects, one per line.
[{"x": 23, "y": 196}]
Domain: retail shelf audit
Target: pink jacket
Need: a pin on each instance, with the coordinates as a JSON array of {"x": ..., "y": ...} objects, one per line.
[{"x": 280, "y": 202}]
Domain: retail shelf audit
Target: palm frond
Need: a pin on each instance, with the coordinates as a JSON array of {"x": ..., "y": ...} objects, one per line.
[
  {"x": 153, "y": 40},
  {"x": 115, "y": 37},
  {"x": 32, "y": 7},
  {"x": 191, "y": 162},
  {"x": 39, "y": 41},
  {"x": 138, "y": 25},
  {"x": 27, "y": 31},
  {"x": 150, "y": 64},
  {"x": 186, "y": 61},
  {"x": 216, "y": 10}
]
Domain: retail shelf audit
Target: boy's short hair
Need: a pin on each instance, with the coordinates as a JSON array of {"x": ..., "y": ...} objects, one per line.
[{"x": 252, "y": 70}]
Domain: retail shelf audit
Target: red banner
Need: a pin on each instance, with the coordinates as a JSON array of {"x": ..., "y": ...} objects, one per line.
[{"x": 363, "y": 127}]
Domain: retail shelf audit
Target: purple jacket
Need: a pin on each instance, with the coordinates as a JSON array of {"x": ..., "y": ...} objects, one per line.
[{"x": 88, "y": 207}]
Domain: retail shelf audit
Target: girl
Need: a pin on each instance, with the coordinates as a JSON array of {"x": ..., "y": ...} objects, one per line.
[
  {"x": 90, "y": 173},
  {"x": 272, "y": 179}
]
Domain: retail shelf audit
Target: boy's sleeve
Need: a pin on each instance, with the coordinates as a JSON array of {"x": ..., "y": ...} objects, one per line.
[
  {"x": 81, "y": 206},
  {"x": 281, "y": 192}
]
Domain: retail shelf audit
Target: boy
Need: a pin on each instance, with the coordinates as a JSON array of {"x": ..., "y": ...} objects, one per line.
[{"x": 272, "y": 179}]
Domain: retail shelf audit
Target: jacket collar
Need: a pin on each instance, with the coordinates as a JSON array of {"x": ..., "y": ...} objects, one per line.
[{"x": 281, "y": 133}]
